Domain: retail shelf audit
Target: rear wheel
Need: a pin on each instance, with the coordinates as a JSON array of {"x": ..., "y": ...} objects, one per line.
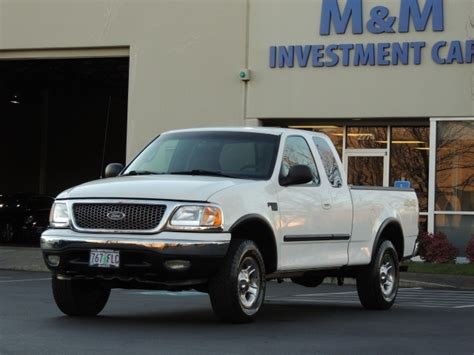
[
  {"x": 79, "y": 297},
  {"x": 377, "y": 284},
  {"x": 237, "y": 291}
]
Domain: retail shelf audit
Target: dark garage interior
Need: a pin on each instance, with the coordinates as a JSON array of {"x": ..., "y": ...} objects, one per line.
[{"x": 61, "y": 122}]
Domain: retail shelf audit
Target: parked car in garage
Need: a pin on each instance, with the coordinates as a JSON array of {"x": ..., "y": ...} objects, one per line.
[{"x": 23, "y": 217}]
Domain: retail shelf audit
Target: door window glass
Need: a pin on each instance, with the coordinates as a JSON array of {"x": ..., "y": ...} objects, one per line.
[
  {"x": 335, "y": 134},
  {"x": 297, "y": 152},
  {"x": 329, "y": 162}
]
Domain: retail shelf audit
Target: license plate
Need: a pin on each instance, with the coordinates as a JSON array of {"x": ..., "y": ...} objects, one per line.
[{"x": 104, "y": 258}]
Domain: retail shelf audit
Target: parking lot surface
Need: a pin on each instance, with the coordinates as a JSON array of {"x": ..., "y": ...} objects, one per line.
[{"x": 323, "y": 320}]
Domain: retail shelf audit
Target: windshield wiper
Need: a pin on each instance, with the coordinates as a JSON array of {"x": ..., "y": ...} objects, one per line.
[
  {"x": 140, "y": 172},
  {"x": 201, "y": 172}
]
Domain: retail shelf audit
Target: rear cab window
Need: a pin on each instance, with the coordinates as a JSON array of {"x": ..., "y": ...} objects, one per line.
[{"x": 329, "y": 162}]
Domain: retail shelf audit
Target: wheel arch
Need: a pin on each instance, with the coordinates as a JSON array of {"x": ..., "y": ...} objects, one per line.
[
  {"x": 391, "y": 230},
  {"x": 256, "y": 228}
]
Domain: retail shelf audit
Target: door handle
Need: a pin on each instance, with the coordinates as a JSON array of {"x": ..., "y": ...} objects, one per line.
[{"x": 326, "y": 205}]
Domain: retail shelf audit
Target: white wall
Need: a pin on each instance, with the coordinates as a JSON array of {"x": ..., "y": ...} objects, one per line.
[
  {"x": 426, "y": 90},
  {"x": 185, "y": 55}
]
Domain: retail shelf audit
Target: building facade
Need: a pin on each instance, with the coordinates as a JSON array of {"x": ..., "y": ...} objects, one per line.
[{"x": 390, "y": 81}]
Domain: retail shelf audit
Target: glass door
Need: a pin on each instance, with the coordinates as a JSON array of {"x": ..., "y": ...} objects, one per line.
[{"x": 366, "y": 167}]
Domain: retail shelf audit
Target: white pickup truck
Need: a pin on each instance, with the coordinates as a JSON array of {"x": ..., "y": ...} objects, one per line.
[{"x": 222, "y": 211}]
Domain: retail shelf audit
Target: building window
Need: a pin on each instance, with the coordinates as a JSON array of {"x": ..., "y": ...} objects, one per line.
[
  {"x": 423, "y": 223},
  {"x": 459, "y": 229},
  {"x": 366, "y": 138},
  {"x": 409, "y": 159},
  {"x": 453, "y": 202},
  {"x": 455, "y": 166}
]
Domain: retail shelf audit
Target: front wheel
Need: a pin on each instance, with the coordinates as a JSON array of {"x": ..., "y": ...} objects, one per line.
[
  {"x": 377, "y": 283},
  {"x": 237, "y": 291},
  {"x": 79, "y": 297}
]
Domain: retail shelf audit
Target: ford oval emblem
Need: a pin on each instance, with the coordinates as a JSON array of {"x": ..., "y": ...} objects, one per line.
[{"x": 116, "y": 215}]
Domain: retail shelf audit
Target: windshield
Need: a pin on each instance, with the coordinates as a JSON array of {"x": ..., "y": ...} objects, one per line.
[{"x": 242, "y": 155}]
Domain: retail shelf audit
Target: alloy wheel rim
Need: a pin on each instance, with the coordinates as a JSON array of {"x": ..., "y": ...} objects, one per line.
[
  {"x": 388, "y": 276},
  {"x": 248, "y": 283}
]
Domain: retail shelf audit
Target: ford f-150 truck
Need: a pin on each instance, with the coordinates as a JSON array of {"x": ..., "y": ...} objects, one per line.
[{"x": 223, "y": 211}]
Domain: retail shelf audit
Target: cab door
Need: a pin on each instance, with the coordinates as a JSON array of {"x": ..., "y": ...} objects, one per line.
[
  {"x": 306, "y": 237},
  {"x": 339, "y": 211}
]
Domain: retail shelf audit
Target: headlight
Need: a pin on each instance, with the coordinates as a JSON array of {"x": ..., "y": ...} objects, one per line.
[
  {"x": 203, "y": 218},
  {"x": 59, "y": 216}
]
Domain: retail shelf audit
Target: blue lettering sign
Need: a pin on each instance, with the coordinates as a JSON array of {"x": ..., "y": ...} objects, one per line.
[
  {"x": 286, "y": 56},
  {"x": 410, "y": 9},
  {"x": 455, "y": 53},
  {"x": 400, "y": 53},
  {"x": 317, "y": 55},
  {"x": 469, "y": 51},
  {"x": 273, "y": 55},
  {"x": 435, "y": 52},
  {"x": 346, "y": 53},
  {"x": 331, "y": 13},
  {"x": 332, "y": 55},
  {"x": 417, "y": 46},
  {"x": 383, "y": 53},
  {"x": 337, "y": 15},
  {"x": 302, "y": 55},
  {"x": 380, "y": 21},
  {"x": 364, "y": 56}
]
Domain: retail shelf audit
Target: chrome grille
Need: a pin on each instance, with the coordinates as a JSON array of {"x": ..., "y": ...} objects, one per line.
[{"x": 117, "y": 216}]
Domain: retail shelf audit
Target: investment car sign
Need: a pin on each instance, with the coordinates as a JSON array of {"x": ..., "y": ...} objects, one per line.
[{"x": 414, "y": 15}]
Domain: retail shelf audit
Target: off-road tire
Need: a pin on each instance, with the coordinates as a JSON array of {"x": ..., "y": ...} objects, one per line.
[
  {"x": 225, "y": 288},
  {"x": 371, "y": 287},
  {"x": 83, "y": 298}
]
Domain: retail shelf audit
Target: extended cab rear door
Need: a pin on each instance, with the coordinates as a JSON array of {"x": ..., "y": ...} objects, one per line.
[
  {"x": 307, "y": 237},
  {"x": 341, "y": 206}
]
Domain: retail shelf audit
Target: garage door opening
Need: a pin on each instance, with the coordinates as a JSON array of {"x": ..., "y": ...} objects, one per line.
[{"x": 61, "y": 121}]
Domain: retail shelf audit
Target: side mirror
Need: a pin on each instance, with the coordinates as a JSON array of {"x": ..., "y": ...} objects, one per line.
[
  {"x": 113, "y": 170},
  {"x": 298, "y": 174}
]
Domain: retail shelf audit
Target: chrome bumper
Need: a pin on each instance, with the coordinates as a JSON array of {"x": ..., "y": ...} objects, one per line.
[{"x": 165, "y": 243}]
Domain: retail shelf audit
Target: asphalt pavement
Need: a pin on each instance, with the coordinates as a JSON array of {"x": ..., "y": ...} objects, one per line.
[{"x": 323, "y": 320}]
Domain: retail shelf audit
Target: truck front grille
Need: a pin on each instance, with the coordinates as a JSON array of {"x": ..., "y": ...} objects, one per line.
[{"x": 117, "y": 216}]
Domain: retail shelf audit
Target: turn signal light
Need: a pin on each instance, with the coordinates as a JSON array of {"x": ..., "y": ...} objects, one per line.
[{"x": 53, "y": 260}]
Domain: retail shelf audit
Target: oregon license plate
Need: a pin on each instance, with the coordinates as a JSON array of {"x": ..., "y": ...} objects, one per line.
[{"x": 104, "y": 258}]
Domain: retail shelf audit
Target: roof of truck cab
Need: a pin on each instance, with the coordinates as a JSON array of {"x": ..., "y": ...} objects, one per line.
[{"x": 266, "y": 130}]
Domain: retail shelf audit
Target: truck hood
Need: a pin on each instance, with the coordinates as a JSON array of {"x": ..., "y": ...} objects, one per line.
[{"x": 161, "y": 187}]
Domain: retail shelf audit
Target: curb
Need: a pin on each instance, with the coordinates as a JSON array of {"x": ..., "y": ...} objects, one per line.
[
  {"x": 22, "y": 259},
  {"x": 403, "y": 283}
]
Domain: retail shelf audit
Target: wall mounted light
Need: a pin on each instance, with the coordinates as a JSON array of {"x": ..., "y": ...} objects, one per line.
[{"x": 15, "y": 99}]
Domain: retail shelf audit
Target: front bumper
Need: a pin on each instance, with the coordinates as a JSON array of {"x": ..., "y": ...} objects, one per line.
[{"x": 142, "y": 257}]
